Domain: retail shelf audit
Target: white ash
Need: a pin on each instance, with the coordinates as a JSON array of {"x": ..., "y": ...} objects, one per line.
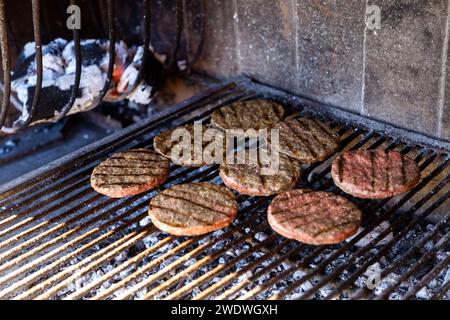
[
  {"x": 260, "y": 277},
  {"x": 428, "y": 246},
  {"x": 29, "y": 48},
  {"x": 142, "y": 94},
  {"x": 145, "y": 222},
  {"x": 59, "y": 65},
  {"x": 261, "y": 236},
  {"x": 130, "y": 75},
  {"x": 368, "y": 238},
  {"x": 237, "y": 267},
  {"x": 54, "y": 66},
  {"x": 423, "y": 293},
  {"x": 326, "y": 290},
  {"x": 182, "y": 65},
  {"x": 258, "y": 274},
  {"x": 90, "y": 90},
  {"x": 447, "y": 275}
]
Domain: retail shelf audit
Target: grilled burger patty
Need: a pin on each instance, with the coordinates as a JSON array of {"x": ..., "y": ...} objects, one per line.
[
  {"x": 129, "y": 173},
  {"x": 252, "y": 114},
  {"x": 249, "y": 180},
  {"x": 307, "y": 140},
  {"x": 374, "y": 174},
  {"x": 163, "y": 144},
  {"x": 193, "y": 209},
  {"x": 313, "y": 217}
]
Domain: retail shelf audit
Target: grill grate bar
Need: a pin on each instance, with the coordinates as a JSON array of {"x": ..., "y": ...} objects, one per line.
[
  {"x": 149, "y": 266},
  {"x": 288, "y": 272},
  {"x": 328, "y": 260},
  {"x": 423, "y": 215},
  {"x": 424, "y": 238},
  {"x": 53, "y": 237},
  {"x": 260, "y": 289},
  {"x": 212, "y": 99},
  {"x": 418, "y": 264},
  {"x": 167, "y": 269},
  {"x": 184, "y": 290},
  {"x": 82, "y": 190},
  {"x": 6, "y": 63},
  {"x": 198, "y": 282},
  {"x": 68, "y": 188},
  {"x": 137, "y": 208},
  {"x": 65, "y": 236},
  {"x": 99, "y": 206},
  {"x": 361, "y": 251},
  {"x": 64, "y": 259},
  {"x": 103, "y": 255},
  {"x": 385, "y": 249},
  {"x": 47, "y": 223},
  {"x": 427, "y": 278},
  {"x": 441, "y": 292},
  {"x": 198, "y": 264},
  {"x": 108, "y": 276},
  {"x": 229, "y": 278},
  {"x": 31, "y": 198}
]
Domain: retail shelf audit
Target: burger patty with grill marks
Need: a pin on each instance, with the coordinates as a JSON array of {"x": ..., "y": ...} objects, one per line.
[
  {"x": 307, "y": 140},
  {"x": 129, "y": 173},
  {"x": 251, "y": 114},
  {"x": 374, "y": 174},
  {"x": 193, "y": 209},
  {"x": 249, "y": 179},
  {"x": 313, "y": 217},
  {"x": 164, "y": 144}
]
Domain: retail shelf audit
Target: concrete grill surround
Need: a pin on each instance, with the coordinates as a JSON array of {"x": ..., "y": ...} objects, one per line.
[
  {"x": 321, "y": 49},
  {"x": 60, "y": 239}
]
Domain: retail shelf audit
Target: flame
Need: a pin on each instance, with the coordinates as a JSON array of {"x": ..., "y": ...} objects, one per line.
[{"x": 117, "y": 72}]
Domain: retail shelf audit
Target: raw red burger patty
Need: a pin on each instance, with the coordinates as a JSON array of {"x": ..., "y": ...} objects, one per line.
[
  {"x": 374, "y": 174},
  {"x": 313, "y": 217}
]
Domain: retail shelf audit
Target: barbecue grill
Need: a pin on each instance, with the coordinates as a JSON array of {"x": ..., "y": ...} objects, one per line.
[
  {"x": 58, "y": 234},
  {"x": 59, "y": 239}
]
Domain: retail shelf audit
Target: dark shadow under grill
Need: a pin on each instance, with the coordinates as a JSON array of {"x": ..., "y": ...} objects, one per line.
[{"x": 60, "y": 239}]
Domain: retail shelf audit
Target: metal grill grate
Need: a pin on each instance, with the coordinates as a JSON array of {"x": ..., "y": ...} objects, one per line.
[{"x": 61, "y": 240}]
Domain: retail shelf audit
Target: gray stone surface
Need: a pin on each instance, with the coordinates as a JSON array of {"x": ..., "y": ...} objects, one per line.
[
  {"x": 445, "y": 112},
  {"x": 445, "y": 131},
  {"x": 266, "y": 40},
  {"x": 163, "y": 28},
  {"x": 320, "y": 49},
  {"x": 193, "y": 33},
  {"x": 330, "y": 51},
  {"x": 219, "y": 58},
  {"x": 403, "y": 64}
]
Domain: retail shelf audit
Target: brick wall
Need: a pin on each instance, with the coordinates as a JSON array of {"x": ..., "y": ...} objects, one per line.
[{"x": 322, "y": 49}]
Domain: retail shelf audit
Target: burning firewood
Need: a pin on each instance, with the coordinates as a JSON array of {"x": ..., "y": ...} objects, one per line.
[{"x": 59, "y": 64}]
